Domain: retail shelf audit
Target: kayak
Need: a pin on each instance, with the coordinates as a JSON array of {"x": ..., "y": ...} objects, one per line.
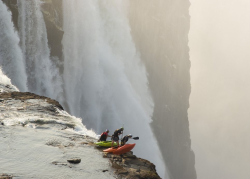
[
  {"x": 120, "y": 150},
  {"x": 105, "y": 143},
  {"x": 110, "y": 150}
]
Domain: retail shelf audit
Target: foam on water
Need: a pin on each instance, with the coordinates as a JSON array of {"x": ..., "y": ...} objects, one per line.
[
  {"x": 3, "y": 78},
  {"x": 34, "y": 112}
]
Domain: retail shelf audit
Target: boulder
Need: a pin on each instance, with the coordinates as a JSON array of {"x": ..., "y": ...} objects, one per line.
[{"x": 74, "y": 160}]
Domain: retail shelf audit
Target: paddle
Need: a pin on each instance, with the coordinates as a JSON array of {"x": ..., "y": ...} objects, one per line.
[{"x": 135, "y": 138}]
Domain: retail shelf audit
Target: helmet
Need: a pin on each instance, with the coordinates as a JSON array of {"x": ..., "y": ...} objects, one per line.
[
  {"x": 107, "y": 130},
  {"x": 122, "y": 128},
  {"x": 130, "y": 135}
]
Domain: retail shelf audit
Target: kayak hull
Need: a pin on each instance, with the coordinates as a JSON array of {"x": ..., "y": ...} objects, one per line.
[
  {"x": 120, "y": 150},
  {"x": 105, "y": 143},
  {"x": 110, "y": 150}
]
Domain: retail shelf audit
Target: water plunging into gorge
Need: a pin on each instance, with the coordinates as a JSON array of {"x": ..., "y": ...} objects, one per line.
[{"x": 103, "y": 80}]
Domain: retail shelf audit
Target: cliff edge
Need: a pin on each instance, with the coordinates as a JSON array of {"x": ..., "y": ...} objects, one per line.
[{"x": 39, "y": 139}]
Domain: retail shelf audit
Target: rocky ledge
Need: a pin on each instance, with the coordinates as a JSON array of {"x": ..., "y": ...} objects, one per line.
[
  {"x": 130, "y": 167},
  {"x": 41, "y": 137}
]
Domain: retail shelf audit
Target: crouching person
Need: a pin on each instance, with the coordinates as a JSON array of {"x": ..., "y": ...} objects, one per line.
[{"x": 125, "y": 139}]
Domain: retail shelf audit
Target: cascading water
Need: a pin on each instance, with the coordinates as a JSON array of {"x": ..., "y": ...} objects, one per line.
[
  {"x": 43, "y": 74},
  {"x": 11, "y": 58},
  {"x": 105, "y": 81}
]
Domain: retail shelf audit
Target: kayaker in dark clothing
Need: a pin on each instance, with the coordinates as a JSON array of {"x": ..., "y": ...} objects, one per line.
[
  {"x": 125, "y": 139},
  {"x": 104, "y": 136},
  {"x": 115, "y": 136}
]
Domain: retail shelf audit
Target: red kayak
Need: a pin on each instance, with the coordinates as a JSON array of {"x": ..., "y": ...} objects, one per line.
[{"x": 120, "y": 150}]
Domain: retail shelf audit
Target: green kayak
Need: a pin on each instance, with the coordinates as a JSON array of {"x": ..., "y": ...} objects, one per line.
[{"x": 105, "y": 143}]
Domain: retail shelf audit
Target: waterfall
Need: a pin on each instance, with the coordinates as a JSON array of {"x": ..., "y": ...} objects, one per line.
[
  {"x": 42, "y": 71},
  {"x": 11, "y": 58},
  {"x": 105, "y": 81}
]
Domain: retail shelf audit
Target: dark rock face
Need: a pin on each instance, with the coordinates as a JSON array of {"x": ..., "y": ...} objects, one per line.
[
  {"x": 160, "y": 31},
  {"x": 53, "y": 16},
  {"x": 52, "y": 9},
  {"x": 130, "y": 167}
]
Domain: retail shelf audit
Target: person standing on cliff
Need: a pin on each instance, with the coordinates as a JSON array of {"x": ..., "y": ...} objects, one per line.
[
  {"x": 104, "y": 136},
  {"x": 115, "y": 136}
]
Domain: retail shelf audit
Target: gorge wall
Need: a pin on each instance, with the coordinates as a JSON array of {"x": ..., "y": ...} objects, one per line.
[{"x": 160, "y": 32}]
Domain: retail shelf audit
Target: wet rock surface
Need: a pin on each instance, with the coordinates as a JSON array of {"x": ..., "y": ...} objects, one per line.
[
  {"x": 39, "y": 135},
  {"x": 26, "y": 96},
  {"x": 31, "y": 109}
]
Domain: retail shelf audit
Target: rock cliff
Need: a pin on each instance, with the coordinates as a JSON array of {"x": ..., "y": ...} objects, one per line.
[
  {"x": 160, "y": 30},
  {"x": 39, "y": 139},
  {"x": 52, "y": 12}
]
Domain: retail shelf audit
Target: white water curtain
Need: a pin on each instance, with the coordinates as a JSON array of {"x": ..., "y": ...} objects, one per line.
[{"x": 105, "y": 81}]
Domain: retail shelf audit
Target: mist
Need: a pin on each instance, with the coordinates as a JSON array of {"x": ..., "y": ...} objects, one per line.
[{"x": 219, "y": 42}]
